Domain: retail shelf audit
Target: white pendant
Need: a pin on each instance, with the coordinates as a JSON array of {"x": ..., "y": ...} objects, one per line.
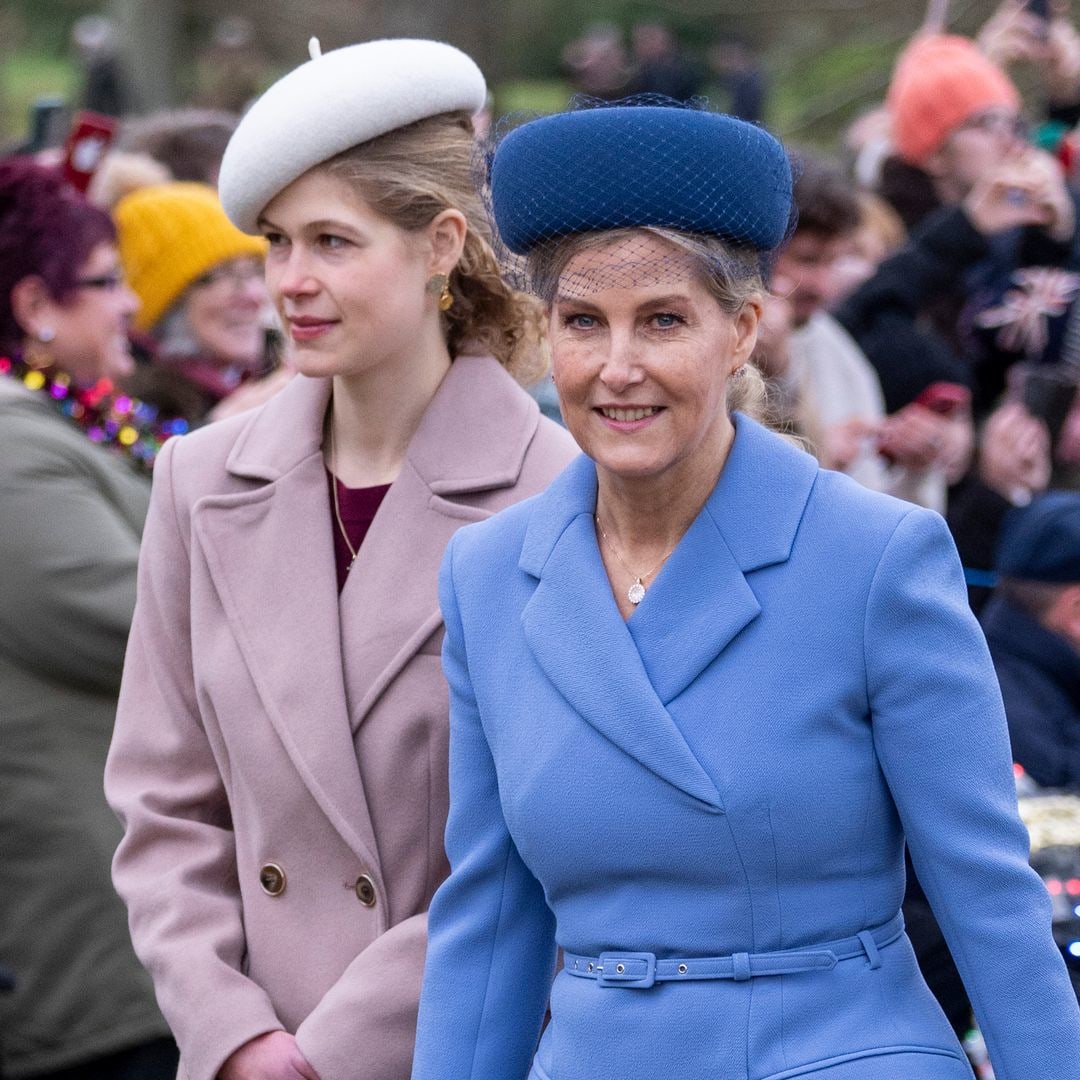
[{"x": 636, "y": 592}]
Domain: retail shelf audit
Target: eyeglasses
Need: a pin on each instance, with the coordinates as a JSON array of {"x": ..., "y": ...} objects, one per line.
[
  {"x": 236, "y": 274},
  {"x": 107, "y": 282},
  {"x": 997, "y": 123}
]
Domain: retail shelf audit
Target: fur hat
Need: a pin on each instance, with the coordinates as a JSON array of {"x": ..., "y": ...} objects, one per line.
[
  {"x": 940, "y": 81},
  {"x": 336, "y": 101},
  {"x": 171, "y": 234}
]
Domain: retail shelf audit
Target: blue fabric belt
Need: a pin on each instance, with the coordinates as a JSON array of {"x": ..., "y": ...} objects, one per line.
[{"x": 637, "y": 970}]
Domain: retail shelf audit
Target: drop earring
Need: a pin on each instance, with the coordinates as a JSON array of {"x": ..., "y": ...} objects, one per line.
[{"x": 440, "y": 283}]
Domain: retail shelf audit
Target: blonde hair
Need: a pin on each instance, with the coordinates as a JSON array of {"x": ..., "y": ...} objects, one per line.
[
  {"x": 412, "y": 174},
  {"x": 731, "y": 274}
]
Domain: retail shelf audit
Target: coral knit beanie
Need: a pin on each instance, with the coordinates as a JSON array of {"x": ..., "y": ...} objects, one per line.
[
  {"x": 940, "y": 81},
  {"x": 169, "y": 235}
]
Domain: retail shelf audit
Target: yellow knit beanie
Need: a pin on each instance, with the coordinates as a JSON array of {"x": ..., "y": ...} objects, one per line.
[{"x": 170, "y": 235}]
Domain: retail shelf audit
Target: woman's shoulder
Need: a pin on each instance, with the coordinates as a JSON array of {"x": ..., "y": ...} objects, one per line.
[
  {"x": 37, "y": 443},
  {"x": 200, "y": 456},
  {"x": 777, "y": 481},
  {"x": 260, "y": 444},
  {"x": 552, "y": 447},
  {"x": 483, "y": 543},
  {"x": 856, "y": 518}
]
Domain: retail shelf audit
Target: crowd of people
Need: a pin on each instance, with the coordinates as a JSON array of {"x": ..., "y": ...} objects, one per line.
[{"x": 705, "y": 689}]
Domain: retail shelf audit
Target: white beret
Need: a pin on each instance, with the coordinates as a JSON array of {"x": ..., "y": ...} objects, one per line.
[{"x": 336, "y": 101}]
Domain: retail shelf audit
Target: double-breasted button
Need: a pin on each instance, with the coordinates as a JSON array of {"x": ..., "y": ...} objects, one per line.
[
  {"x": 272, "y": 879},
  {"x": 365, "y": 890}
]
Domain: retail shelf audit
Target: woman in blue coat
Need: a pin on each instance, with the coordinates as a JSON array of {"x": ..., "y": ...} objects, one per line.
[{"x": 703, "y": 691}]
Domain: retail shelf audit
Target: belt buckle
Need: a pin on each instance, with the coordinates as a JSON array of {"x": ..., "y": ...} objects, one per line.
[{"x": 631, "y": 974}]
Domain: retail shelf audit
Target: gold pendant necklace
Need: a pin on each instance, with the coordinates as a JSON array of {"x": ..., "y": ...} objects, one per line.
[
  {"x": 353, "y": 552},
  {"x": 636, "y": 593}
]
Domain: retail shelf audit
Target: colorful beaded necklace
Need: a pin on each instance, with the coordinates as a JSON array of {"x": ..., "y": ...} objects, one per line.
[{"x": 106, "y": 416}]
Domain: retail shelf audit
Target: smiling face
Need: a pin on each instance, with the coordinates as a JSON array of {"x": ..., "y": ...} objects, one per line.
[
  {"x": 642, "y": 370},
  {"x": 804, "y": 271},
  {"x": 224, "y": 311},
  {"x": 349, "y": 285},
  {"x": 975, "y": 148},
  {"x": 91, "y": 325}
]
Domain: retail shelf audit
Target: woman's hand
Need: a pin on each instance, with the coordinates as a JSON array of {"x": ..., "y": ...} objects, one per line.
[
  {"x": 842, "y": 443},
  {"x": 273, "y": 1056},
  {"x": 917, "y": 438},
  {"x": 1014, "y": 457},
  {"x": 1014, "y": 35},
  {"x": 1061, "y": 62},
  {"x": 1028, "y": 189}
]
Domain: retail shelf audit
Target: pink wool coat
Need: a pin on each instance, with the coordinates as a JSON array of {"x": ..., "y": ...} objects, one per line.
[{"x": 279, "y": 761}]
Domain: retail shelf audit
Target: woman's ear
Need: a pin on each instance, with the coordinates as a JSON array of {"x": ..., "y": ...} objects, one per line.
[
  {"x": 446, "y": 234},
  {"x": 31, "y": 304},
  {"x": 745, "y": 326}
]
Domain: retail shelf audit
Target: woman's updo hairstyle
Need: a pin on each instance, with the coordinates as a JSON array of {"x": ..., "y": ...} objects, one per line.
[
  {"x": 412, "y": 174},
  {"x": 47, "y": 230}
]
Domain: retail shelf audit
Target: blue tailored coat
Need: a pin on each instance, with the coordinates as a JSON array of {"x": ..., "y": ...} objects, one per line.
[{"x": 730, "y": 772}]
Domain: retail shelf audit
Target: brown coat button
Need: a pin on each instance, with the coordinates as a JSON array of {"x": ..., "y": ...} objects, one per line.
[
  {"x": 365, "y": 890},
  {"x": 272, "y": 879}
]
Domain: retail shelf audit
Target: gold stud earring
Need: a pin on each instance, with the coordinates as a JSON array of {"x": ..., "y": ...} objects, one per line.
[{"x": 440, "y": 283}]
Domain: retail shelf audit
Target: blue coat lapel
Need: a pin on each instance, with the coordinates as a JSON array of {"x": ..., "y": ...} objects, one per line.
[
  {"x": 619, "y": 676},
  {"x": 701, "y": 599}
]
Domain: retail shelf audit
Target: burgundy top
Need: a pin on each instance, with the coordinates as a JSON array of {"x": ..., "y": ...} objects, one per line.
[{"x": 358, "y": 508}]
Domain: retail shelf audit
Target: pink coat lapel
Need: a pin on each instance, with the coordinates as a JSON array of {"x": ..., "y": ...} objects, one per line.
[
  {"x": 318, "y": 674},
  {"x": 470, "y": 446}
]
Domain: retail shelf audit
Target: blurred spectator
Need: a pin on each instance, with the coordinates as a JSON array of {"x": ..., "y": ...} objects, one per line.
[
  {"x": 188, "y": 142},
  {"x": 984, "y": 268},
  {"x": 105, "y": 86},
  {"x": 231, "y": 69},
  {"x": 596, "y": 63},
  {"x": 1051, "y": 47},
  {"x": 1033, "y": 629},
  {"x": 660, "y": 66},
  {"x": 879, "y": 233},
  {"x": 741, "y": 76},
  {"x": 1012, "y": 466},
  {"x": 74, "y": 493},
  {"x": 203, "y": 300},
  {"x": 837, "y": 400}
]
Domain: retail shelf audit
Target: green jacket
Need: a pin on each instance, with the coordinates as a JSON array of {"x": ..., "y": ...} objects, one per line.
[{"x": 71, "y": 515}]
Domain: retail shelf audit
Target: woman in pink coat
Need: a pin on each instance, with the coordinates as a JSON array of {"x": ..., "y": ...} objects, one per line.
[{"x": 280, "y": 753}]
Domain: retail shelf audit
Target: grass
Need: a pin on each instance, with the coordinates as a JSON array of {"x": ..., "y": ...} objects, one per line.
[
  {"x": 531, "y": 96},
  {"x": 26, "y": 77}
]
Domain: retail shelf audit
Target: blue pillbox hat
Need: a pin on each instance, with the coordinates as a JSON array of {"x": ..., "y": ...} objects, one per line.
[
  {"x": 628, "y": 166},
  {"x": 1041, "y": 541}
]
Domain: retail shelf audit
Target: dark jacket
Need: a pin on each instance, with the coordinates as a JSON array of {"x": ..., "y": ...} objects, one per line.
[
  {"x": 917, "y": 319},
  {"x": 1039, "y": 672}
]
